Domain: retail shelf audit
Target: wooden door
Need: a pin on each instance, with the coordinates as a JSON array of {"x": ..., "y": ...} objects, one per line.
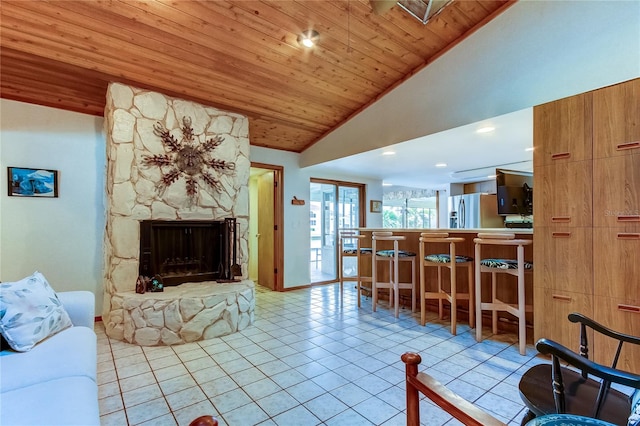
[
  {"x": 562, "y": 194},
  {"x": 563, "y": 255},
  {"x": 266, "y": 268},
  {"x": 563, "y": 259},
  {"x": 562, "y": 130},
  {"x": 616, "y": 120},
  {"x": 616, "y": 191},
  {"x": 551, "y": 309},
  {"x": 622, "y": 316},
  {"x": 616, "y": 263}
]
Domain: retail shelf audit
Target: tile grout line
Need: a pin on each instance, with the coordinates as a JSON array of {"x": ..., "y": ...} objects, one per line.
[{"x": 329, "y": 326}]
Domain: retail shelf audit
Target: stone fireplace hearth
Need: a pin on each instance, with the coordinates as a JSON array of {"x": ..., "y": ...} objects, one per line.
[
  {"x": 138, "y": 191},
  {"x": 186, "y": 313}
]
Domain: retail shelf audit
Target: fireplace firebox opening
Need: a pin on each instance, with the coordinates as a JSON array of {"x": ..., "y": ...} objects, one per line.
[{"x": 187, "y": 250}]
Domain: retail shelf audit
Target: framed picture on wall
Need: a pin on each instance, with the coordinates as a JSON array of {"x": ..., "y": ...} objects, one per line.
[
  {"x": 376, "y": 206},
  {"x": 26, "y": 182}
]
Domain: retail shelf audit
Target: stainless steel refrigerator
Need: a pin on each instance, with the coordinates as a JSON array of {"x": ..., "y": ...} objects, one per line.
[{"x": 472, "y": 211}]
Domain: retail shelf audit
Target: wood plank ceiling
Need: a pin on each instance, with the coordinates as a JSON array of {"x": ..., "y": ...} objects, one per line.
[{"x": 236, "y": 55}]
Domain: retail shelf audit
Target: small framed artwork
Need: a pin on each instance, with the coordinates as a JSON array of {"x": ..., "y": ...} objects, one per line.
[
  {"x": 25, "y": 182},
  {"x": 376, "y": 206}
]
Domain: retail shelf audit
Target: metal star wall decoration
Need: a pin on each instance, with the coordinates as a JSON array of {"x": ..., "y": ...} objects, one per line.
[{"x": 187, "y": 158}]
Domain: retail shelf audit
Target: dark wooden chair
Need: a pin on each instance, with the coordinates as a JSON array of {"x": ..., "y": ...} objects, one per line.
[{"x": 583, "y": 387}]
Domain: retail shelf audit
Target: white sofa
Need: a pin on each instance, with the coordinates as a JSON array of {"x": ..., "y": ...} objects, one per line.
[{"x": 55, "y": 382}]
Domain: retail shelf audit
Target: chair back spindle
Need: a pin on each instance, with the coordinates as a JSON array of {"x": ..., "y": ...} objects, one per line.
[
  {"x": 605, "y": 385},
  {"x": 584, "y": 344},
  {"x": 602, "y": 394},
  {"x": 617, "y": 355},
  {"x": 558, "y": 385}
]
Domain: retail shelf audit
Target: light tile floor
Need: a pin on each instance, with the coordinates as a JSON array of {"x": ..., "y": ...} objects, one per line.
[{"x": 308, "y": 360}]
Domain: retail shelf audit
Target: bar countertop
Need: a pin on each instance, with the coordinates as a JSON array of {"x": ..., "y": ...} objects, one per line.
[{"x": 525, "y": 231}]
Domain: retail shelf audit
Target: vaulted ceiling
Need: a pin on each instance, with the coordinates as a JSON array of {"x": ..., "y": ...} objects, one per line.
[{"x": 240, "y": 56}]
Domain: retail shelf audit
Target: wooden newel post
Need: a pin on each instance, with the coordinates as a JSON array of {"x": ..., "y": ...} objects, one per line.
[
  {"x": 204, "y": 421},
  {"x": 412, "y": 360}
]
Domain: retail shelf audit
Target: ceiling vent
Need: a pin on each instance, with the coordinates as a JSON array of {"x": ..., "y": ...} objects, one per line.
[{"x": 483, "y": 173}]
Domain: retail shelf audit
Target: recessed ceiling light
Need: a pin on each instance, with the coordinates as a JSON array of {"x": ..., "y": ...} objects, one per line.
[
  {"x": 529, "y": 149},
  {"x": 441, "y": 164},
  {"x": 389, "y": 153},
  {"x": 485, "y": 129},
  {"x": 308, "y": 38},
  {"x": 386, "y": 184}
]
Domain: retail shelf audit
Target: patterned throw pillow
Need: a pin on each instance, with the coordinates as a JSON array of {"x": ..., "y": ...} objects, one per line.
[{"x": 30, "y": 311}]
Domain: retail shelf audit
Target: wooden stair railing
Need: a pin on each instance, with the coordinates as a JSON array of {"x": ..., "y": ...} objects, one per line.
[
  {"x": 204, "y": 421},
  {"x": 453, "y": 404}
]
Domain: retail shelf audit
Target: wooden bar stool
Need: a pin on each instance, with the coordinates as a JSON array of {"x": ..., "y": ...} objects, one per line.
[
  {"x": 516, "y": 267},
  {"x": 393, "y": 259},
  {"x": 452, "y": 262},
  {"x": 350, "y": 247}
]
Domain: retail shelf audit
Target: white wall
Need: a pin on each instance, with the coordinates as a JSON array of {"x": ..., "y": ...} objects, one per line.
[
  {"x": 60, "y": 237},
  {"x": 63, "y": 237},
  {"x": 532, "y": 53},
  {"x": 296, "y": 218}
]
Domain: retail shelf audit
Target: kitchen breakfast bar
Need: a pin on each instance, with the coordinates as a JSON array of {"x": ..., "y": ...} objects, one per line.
[{"x": 503, "y": 298}]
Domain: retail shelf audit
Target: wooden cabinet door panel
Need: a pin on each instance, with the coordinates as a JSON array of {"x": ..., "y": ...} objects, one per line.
[
  {"x": 562, "y": 194},
  {"x": 617, "y": 315},
  {"x": 616, "y": 191},
  {"x": 563, "y": 259},
  {"x": 616, "y": 119},
  {"x": 616, "y": 263},
  {"x": 551, "y": 309},
  {"x": 562, "y": 130}
]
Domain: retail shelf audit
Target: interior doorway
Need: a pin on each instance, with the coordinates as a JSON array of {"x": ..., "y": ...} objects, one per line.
[{"x": 265, "y": 225}]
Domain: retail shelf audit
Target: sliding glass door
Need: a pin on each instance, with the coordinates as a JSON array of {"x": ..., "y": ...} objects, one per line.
[{"x": 333, "y": 205}]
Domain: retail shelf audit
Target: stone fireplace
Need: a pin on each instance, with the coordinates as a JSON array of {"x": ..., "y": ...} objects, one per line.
[{"x": 184, "y": 191}]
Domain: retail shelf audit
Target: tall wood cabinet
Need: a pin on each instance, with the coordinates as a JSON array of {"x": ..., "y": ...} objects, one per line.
[{"x": 587, "y": 217}]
